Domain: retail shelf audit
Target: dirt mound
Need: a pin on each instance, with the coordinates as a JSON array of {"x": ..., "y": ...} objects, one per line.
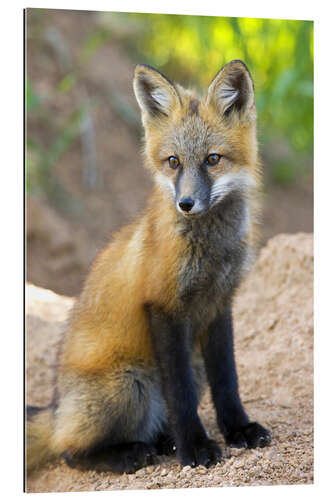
[{"x": 273, "y": 314}]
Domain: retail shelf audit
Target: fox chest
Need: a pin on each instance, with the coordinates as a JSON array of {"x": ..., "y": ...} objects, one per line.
[
  {"x": 210, "y": 275},
  {"x": 212, "y": 264}
]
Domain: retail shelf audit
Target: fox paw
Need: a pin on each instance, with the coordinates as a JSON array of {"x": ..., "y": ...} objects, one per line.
[
  {"x": 133, "y": 457},
  {"x": 206, "y": 452},
  {"x": 165, "y": 445},
  {"x": 252, "y": 435},
  {"x": 128, "y": 458}
]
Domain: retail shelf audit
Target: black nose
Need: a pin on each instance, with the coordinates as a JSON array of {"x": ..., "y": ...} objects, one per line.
[{"x": 186, "y": 204}]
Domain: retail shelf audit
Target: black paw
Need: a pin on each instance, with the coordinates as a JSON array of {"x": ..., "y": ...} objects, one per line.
[
  {"x": 133, "y": 457},
  {"x": 127, "y": 457},
  {"x": 205, "y": 452},
  {"x": 252, "y": 435},
  {"x": 165, "y": 445}
]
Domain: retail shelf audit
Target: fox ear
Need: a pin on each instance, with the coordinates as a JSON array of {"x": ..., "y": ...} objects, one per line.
[
  {"x": 155, "y": 94},
  {"x": 232, "y": 90}
]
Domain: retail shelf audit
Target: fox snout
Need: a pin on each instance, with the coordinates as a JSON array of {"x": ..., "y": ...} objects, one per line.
[
  {"x": 192, "y": 192},
  {"x": 189, "y": 206},
  {"x": 186, "y": 204}
]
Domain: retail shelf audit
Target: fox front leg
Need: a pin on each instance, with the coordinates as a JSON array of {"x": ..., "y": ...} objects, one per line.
[
  {"x": 218, "y": 353},
  {"x": 170, "y": 338}
]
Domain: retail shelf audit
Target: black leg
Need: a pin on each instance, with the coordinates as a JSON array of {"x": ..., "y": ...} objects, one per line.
[
  {"x": 218, "y": 352},
  {"x": 171, "y": 343}
]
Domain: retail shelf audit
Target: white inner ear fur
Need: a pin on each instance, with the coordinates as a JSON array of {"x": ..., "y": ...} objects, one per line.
[
  {"x": 162, "y": 98},
  {"x": 230, "y": 182},
  {"x": 227, "y": 95}
]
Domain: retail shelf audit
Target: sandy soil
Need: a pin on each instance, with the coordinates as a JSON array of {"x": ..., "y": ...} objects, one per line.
[{"x": 273, "y": 314}]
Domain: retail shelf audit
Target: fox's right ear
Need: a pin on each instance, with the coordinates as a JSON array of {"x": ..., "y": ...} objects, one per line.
[
  {"x": 156, "y": 95},
  {"x": 232, "y": 90}
]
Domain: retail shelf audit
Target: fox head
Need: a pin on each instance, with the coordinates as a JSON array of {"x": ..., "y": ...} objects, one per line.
[{"x": 199, "y": 149}]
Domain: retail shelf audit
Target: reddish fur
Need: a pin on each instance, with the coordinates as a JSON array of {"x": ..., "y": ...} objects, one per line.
[{"x": 109, "y": 326}]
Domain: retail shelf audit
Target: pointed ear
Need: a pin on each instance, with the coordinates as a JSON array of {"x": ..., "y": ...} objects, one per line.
[
  {"x": 155, "y": 94},
  {"x": 232, "y": 90}
]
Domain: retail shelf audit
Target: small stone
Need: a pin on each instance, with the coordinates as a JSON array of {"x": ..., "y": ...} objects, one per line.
[
  {"x": 271, "y": 454},
  {"x": 163, "y": 472},
  {"x": 237, "y": 451},
  {"x": 186, "y": 469},
  {"x": 202, "y": 470}
]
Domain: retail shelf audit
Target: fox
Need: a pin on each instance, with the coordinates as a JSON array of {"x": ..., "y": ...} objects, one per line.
[{"x": 153, "y": 325}]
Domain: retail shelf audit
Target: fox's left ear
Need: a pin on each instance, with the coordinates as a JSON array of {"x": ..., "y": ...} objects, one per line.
[
  {"x": 232, "y": 90},
  {"x": 155, "y": 94}
]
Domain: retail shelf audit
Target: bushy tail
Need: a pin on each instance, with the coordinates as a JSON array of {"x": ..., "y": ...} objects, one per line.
[{"x": 39, "y": 425}]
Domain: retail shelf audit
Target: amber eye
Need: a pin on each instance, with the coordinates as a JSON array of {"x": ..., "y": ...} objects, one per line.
[
  {"x": 213, "y": 159},
  {"x": 173, "y": 161}
]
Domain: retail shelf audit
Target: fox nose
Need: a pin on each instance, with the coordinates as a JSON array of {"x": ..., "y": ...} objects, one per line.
[{"x": 186, "y": 204}]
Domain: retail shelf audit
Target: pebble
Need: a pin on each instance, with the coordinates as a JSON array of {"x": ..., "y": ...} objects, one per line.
[
  {"x": 237, "y": 451},
  {"x": 271, "y": 454},
  {"x": 202, "y": 470},
  {"x": 238, "y": 464}
]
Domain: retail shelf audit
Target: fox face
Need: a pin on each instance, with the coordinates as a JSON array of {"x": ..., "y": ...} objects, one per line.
[{"x": 199, "y": 149}]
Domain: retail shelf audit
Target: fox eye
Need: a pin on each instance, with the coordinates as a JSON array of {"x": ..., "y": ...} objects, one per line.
[
  {"x": 173, "y": 161},
  {"x": 213, "y": 159}
]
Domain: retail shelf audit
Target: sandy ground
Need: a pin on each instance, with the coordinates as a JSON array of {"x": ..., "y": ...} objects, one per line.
[{"x": 273, "y": 315}]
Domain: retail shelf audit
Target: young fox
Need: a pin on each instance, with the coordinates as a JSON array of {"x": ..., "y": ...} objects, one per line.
[{"x": 154, "y": 318}]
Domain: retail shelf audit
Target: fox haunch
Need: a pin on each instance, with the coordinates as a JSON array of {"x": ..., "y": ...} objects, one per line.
[{"x": 154, "y": 320}]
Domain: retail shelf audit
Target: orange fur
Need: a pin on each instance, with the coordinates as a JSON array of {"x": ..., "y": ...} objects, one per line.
[{"x": 109, "y": 325}]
